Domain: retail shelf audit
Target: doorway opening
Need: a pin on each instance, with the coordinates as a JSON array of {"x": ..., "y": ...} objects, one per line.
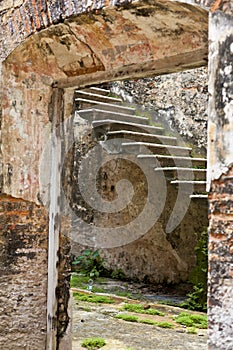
[{"x": 137, "y": 138}]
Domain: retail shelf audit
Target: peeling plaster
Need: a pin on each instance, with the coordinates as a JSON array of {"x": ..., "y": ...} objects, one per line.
[{"x": 220, "y": 125}]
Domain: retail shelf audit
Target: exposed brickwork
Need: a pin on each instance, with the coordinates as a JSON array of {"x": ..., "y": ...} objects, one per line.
[
  {"x": 221, "y": 262},
  {"x": 221, "y": 182},
  {"x": 20, "y": 22},
  {"x": 23, "y": 271}
]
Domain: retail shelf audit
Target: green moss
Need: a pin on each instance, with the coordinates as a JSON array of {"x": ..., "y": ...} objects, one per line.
[
  {"x": 87, "y": 309},
  {"x": 124, "y": 294},
  {"x": 190, "y": 320},
  {"x": 93, "y": 343},
  {"x": 132, "y": 318},
  {"x": 138, "y": 308},
  {"x": 79, "y": 281},
  {"x": 126, "y": 317},
  {"x": 148, "y": 321},
  {"x": 191, "y": 330},
  {"x": 164, "y": 324},
  {"x": 99, "y": 299},
  {"x": 112, "y": 95}
]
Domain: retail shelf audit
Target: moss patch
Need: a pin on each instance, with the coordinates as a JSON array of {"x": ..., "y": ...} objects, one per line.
[
  {"x": 93, "y": 298},
  {"x": 93, "y": 343},
  {"x": 126, "y": 317},
  {"x": 198, "y": 321},
  {"x": 138, "y": 308}
]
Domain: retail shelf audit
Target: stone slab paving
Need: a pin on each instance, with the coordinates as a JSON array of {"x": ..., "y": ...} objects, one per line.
[{"x": 92, "y": 320}]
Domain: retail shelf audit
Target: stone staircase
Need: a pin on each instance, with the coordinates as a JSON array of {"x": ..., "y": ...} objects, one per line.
[{"x": 111, "y": 120}]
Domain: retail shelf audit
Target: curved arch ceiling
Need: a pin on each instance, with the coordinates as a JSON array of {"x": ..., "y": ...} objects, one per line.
[{"x": 137, "y": 40}]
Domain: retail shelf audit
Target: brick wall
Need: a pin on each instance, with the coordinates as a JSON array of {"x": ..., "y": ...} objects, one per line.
[
  {"x": 23, "y": 274},
  {"x": 220, "y": 177}
]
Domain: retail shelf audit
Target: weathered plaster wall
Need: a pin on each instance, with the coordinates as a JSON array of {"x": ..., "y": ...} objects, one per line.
[
  {"x": 220, "y": 175},
  {"x": 30, "y": 114},
  {"x": 29, "y": 17},
  {"x": 23, "y": 274},
  {"x": 178, "y": 101},
  {"x": 20, "y": 23},
  {"x": 220, "y": 88},
  {"x": 33, "y": 108},
  {"x": 141, "y": 249}
]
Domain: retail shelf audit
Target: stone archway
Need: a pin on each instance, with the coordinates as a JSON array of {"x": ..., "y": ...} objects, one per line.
[{"x": 36, "y": 77}]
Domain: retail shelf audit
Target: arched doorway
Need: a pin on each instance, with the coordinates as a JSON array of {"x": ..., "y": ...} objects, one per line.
[{"x": 36, "y": 98}]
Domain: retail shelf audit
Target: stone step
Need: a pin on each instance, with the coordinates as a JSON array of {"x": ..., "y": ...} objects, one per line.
[
  {"x": 107, "y": 125},
  {"x": 96, "y": 97},
  {"x": 139, "y": 148},
  {"x": 101, "y": 115},
  {"x": 172, "y": 161},
  {"x": 83, "y": 103},
  {"x": 96, "y": 90},
  {"x": 179, "y": 173},
  {"x": 200, "y": 196},
  {"x": 143, "y": 137},
  {"x": 198, "y": 187}
]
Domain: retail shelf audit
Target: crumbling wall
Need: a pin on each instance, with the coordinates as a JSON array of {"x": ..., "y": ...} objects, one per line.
[
  {"x": 23, "y": 270},
  {"x": 178, "y": 101},
  {"x": 220, "y": 175},
  {"x": 38, "y": 275},
  {"x": 20, "y": 22},
  {"x": 145, "y": 250}
]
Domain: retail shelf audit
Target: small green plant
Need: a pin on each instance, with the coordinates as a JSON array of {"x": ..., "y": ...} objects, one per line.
[
  {"x": 118, "y": 274},
  {"x": 89, "y": 263},
  {"x": 138, "y": 308},
  {"x": 190, "y": 320},
  {"x": 98, "y": 299},
  {"x": 197, "y": 299},
  {"x": 93, "y": 343},
  {"x": 126, "y": 317}
]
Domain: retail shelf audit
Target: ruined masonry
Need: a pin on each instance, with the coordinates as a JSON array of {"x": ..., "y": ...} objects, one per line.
[
  {"x": 110, "y": 122},
  {"x": 167, "y": 180},
  {"x": 47, "y": 49}
]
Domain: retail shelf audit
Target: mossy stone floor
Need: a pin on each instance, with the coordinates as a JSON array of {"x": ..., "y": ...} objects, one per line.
[{"x": 140, "y": 329}]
